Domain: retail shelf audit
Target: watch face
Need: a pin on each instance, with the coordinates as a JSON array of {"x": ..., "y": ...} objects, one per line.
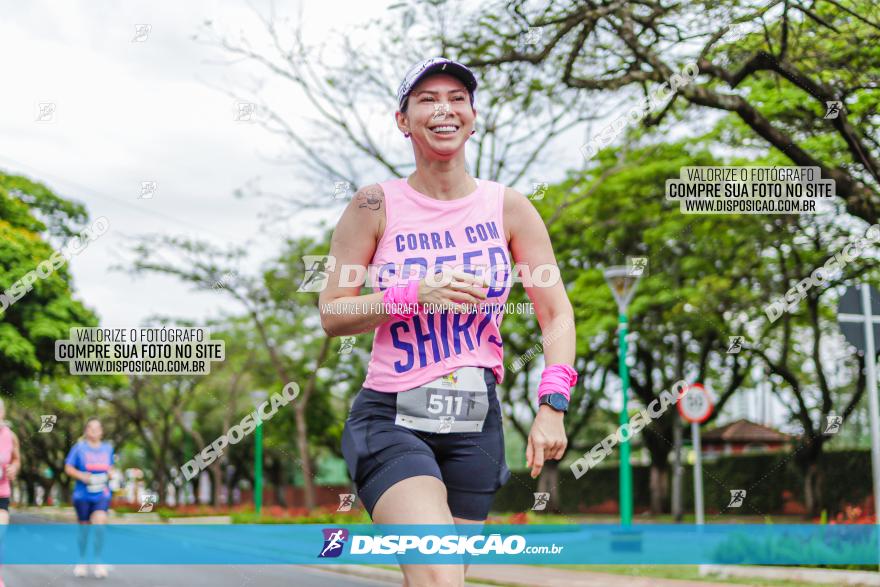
[
  {"x": 556, "y": 401},
  {"x": 559, "y": 402}
]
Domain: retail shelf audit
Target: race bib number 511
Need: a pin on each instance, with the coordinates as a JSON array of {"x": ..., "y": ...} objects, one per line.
[{"x": 457, "y": 402}]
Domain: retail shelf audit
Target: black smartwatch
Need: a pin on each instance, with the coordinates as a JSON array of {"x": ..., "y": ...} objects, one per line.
[{"x": 556, "y": 401}]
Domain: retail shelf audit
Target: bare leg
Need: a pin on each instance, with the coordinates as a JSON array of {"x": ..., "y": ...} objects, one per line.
[
  {"x": 83, "y": 541},
  {"x": 419, "y": 500},
  {"x": 463, "y": 521},
  {"x": 98, "y": 520}
]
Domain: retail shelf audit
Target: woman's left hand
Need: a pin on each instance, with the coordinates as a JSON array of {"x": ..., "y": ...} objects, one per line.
[{"x": 547, "y": 439}]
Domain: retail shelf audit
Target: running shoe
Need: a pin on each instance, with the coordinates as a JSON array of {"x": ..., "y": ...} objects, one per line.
[
  {"x": 80, "y": 571},
  {"x": 100, "y": 571}
]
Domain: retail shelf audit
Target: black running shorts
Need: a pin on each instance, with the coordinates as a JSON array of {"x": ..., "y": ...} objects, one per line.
[{"x": 379, "y": 453}]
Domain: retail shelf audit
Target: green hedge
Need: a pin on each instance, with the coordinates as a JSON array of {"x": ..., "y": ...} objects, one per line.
[{"x": 847, "y": 480}]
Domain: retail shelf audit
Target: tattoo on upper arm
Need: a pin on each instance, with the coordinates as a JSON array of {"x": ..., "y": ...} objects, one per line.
[{"x": 370, "y": 198}]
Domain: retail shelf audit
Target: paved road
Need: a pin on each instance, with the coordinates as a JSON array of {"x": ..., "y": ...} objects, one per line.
[
  {"x": 178, "y": 575},
  {"x": 184, "y": 576}
]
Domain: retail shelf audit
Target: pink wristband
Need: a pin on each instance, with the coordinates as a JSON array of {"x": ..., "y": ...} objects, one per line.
[
  {"x": 557, "y": 379},
  {"x": 399, "y": 295}
]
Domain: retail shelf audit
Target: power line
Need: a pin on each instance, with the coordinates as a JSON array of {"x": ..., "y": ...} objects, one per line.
[{"x": 98, "y": 193}]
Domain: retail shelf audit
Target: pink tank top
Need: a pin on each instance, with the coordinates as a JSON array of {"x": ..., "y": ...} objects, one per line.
[
  {"x": 422, "y": 233},
  {"x": 5, "y": 459}
]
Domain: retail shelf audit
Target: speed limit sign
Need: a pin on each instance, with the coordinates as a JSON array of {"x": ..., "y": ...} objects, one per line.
[{"x": 696, "y": 405}]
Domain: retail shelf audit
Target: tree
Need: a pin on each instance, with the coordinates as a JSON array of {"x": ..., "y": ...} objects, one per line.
[
  {"x": 44, "y": 451},
  {"x": 34, "y": 223},
  {"x": 30, "y": 215},
  {"x": 345, "y": 138},
  {"x": 286, "y": 324},
  {"x": 688, "y": 300},
  {"x": 821, "y": 379},
  {"x": 813, "y": 53},
  {"x": 149, "y": 405},
  {"x": 220, "y": 399}
]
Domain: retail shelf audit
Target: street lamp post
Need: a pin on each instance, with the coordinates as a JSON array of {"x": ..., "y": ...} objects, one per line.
[
  {"x": 623, "y": 281},
  {"x": 258, "y": 398}
]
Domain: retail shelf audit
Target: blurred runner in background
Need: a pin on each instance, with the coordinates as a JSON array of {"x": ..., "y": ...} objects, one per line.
[
  {"x": 90, "y": 462},
  {"x": 10, "y": 463}
]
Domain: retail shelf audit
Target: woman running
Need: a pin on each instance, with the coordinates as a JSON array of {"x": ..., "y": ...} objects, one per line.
[
  {"x": 424, "y": 441},
  {"x": 90, "y": 462},
  {"x": 10, "y": 464}
]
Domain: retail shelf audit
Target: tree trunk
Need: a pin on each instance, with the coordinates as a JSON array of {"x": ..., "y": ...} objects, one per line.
[
  {"x": 548, "y": 482},
  {"x": 162, "y": 485},
  {"x": 807, "y": 461},
  {"x": 659, "y": 487},
  {"x": 231, "y": 481},
  {"x": 278, "y": 482},
  {"x": 813, "y": 489},
  {"x": 216, "y": 471},
  {"x": 302, "y": 446},
  {"x": 30, "y": 489},
  {"x": 655, "y": 437}
]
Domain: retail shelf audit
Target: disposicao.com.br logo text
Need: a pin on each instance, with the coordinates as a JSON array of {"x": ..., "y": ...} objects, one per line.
[{"x": 450, "y": 544}]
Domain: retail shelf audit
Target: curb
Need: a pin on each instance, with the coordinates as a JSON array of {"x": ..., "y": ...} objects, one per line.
[
  {"x": 226, "y": 520},
  {"x": 818, "y": 576}
]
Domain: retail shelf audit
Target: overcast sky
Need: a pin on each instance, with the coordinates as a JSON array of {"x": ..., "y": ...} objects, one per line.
[{"x": 143, "y": 105}]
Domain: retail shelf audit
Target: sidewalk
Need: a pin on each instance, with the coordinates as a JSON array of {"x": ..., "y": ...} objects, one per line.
[
  {"x": 534, "y": 576},
  {"x": 67, "y": 515},
  {"x": 529, "y": 576}
]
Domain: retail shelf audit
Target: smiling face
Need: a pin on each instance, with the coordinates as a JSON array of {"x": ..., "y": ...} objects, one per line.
[{"x": 439, "y": 115}]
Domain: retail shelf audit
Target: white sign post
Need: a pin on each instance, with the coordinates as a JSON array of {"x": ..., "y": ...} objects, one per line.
[{"x": 696, "y": 407}]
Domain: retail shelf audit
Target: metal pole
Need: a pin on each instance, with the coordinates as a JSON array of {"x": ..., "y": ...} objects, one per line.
[
  {"x": 258, "y": 468},
  {"x": 626, "y": 497},
  {"x": 698, "y": 474},
  {"x": 677, "y": 433},
  {"x": 871, "y": 372}
]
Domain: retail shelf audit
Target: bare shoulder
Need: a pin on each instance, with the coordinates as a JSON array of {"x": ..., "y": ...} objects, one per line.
[
  {"x": 366, "y": 211},
  {"x": 371, "y": 200},
  {"x": 516, "y": 207},
  {"x": 370, "y": 197}
]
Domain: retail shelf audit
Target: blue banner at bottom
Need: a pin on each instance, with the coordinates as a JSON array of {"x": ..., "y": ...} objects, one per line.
[{"x": 491, "y": 544}]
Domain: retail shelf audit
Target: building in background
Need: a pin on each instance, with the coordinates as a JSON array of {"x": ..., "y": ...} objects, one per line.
[{"x": 743, "y": 436}]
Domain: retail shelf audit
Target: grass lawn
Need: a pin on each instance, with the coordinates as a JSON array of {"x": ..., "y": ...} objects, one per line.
[{"x": 685, "y": 572}]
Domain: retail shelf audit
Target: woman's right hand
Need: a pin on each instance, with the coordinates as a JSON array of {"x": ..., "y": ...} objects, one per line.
[{"x": 452, "y": 288}]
